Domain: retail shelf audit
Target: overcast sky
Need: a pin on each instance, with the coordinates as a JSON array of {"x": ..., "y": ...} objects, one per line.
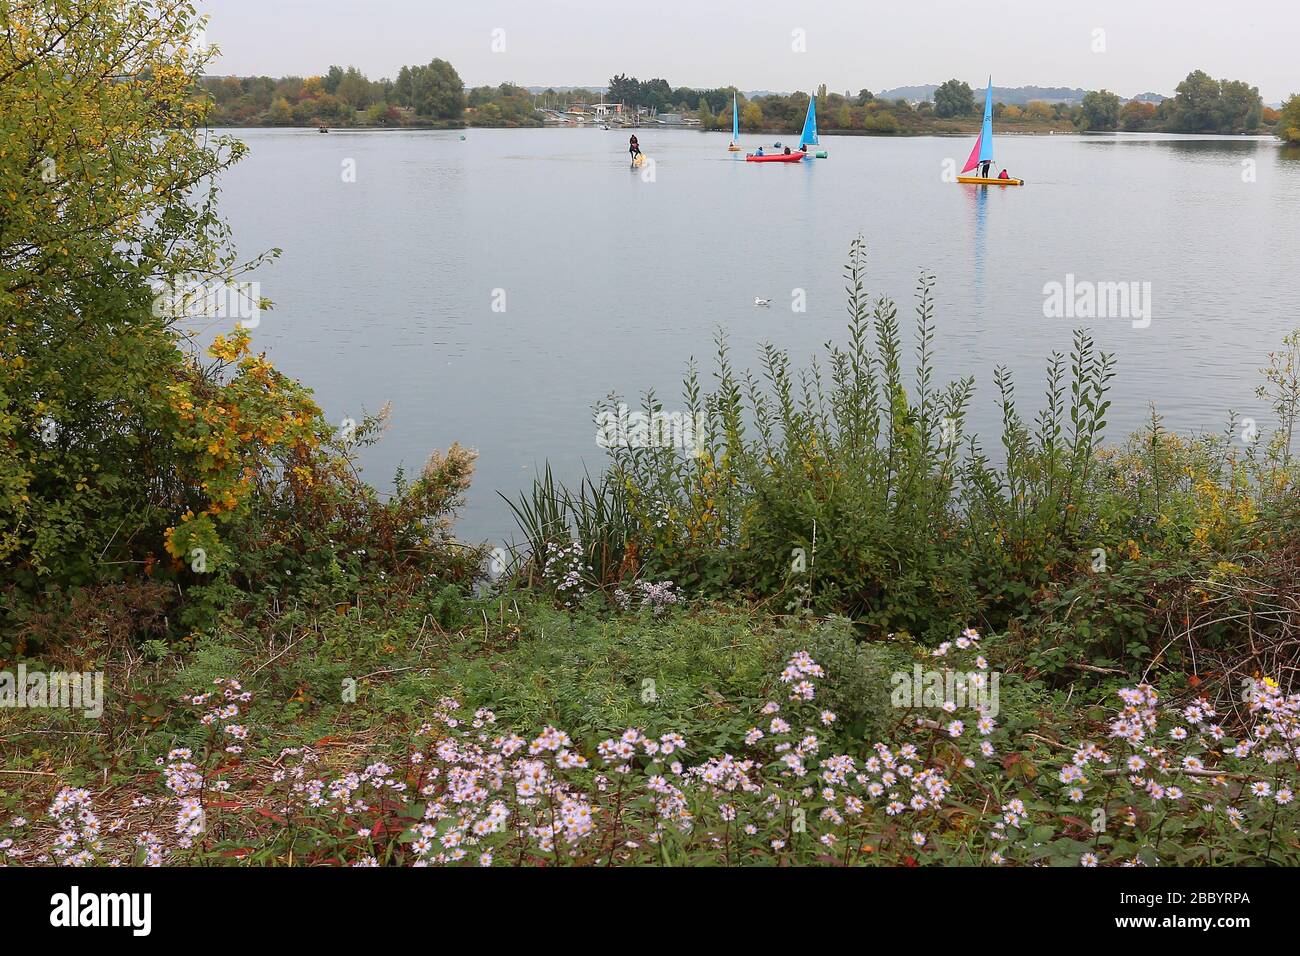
[{"x": 1149, "y": 45}]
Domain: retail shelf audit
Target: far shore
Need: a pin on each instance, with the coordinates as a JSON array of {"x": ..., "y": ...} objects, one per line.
[{"x": 956, "y": 129}]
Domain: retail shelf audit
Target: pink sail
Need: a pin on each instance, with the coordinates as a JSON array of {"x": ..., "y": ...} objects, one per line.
[{"x": 974, "y": 155}]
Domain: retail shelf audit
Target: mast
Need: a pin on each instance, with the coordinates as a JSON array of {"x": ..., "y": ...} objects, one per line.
[{"x": 986, "y": 131}]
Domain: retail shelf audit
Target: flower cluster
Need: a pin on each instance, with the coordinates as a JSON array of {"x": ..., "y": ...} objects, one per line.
[
  {"x": 221, "y": 712},
  {"x": 647, "y": 595},
  {"x": 79, "y": 829},
  {"x": 1180, "y": 763},
  {"x": 470, "y": 792},
  {"x": 565, "y": 569}
]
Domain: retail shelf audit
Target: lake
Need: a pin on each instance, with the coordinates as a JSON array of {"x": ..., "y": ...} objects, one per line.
[{"x": 494, "y": 288}]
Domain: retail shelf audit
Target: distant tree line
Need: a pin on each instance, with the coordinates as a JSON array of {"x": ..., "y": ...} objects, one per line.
[
  {"x": 420, "y": 95},
  {"x": 433, "y": 94},
  {"x": 847, "y": 111},
  {"x": 1201, "y": 104}
]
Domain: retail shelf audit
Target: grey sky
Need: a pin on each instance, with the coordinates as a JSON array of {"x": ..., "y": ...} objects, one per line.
[{"x": 851, "y": 44}]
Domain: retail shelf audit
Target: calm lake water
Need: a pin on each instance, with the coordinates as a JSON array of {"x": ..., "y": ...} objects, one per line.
[{"x": 386, "y": 288}]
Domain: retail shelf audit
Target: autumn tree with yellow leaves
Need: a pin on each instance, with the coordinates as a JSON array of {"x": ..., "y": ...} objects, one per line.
[{"x": 124, "y": 451}]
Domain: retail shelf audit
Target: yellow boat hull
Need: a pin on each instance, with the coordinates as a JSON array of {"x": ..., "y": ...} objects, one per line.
[{"x": 982, "y": 181}]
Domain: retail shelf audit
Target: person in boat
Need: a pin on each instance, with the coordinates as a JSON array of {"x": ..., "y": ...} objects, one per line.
[
  {"x": 787, "y": 150},
  {"x": 1003, "y": 175},
  {"x": 760, "y": 151},
  {"x": 803, "y": 148},
  {"x": 984, "y": 168}
]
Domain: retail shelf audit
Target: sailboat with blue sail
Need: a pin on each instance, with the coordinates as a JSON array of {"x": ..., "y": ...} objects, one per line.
[
  {"x": 735, "y": 125},
  {"x": 809, "y": 135},
  {"x": 982, "y": 154}
]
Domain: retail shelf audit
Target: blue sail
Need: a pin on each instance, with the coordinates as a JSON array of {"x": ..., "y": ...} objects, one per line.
[
  {"x": 986, "y": 132},
  {"x": 735, "y": 120},
  {"x": 809, "y": 137}
]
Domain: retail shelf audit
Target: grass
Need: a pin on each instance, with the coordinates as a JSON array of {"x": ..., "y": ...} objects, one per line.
[
  {"x": 707, "y": 671},
  {"x": 511, "y": 652}
]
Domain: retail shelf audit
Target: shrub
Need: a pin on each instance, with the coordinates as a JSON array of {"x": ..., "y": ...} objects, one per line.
[
  {"x": 842, "y": 483},
  {"x": 127, "y": 457},
  {"x": 839, "y": 488}
]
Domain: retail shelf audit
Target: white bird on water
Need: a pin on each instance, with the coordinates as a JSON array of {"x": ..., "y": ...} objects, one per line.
[{"x": 758, "y": 301}]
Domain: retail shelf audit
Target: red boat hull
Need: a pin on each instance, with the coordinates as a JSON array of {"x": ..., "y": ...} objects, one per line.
[{"x": 775, "y": 158}]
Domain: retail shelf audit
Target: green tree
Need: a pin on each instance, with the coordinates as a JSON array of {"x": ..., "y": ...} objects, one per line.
[
  {"x": 1240, "y": 109},
  {"x": 953, "y": 98},
  {"x": 705, "y": 115},
  {"x": 117, "y": 447},
  {"x": 377, "y": 114},
  {"x": 354, "y": 89},
  {"x": 657, "y": 94},
  {"x": 1288, "y": 124},
  {"x": 434, "y": 91},
  {"x": 443, "y": 93},
  {"x": 125, "y": 458},
  {"x": 751, "y": 117},
  {"x": 1195, "y": 103},
  {"x": 881, "y": 122},
  {"x": 625, "y": 89},
  {"x": 1100, "y": 111},
  {"x": 333, "y": 77},
  {"x": 505, "y": 105}
]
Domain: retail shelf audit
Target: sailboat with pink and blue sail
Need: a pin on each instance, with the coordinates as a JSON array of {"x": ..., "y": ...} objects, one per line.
[{"x": 982, "y": 154}]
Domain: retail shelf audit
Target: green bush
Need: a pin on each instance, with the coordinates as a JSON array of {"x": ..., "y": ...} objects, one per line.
[
  {"x": 125, "y": 456},
  {"x": 849, "y": 487}
]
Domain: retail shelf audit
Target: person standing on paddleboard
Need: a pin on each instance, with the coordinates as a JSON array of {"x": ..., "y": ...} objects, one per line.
[{"x": 633, "y": 148}]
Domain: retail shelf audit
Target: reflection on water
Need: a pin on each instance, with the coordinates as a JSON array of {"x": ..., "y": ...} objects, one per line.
[
  {"x": 979, "y": 198},
  {"x": 386, "y": 287},
  {"x": 1179, "y": 144}
]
